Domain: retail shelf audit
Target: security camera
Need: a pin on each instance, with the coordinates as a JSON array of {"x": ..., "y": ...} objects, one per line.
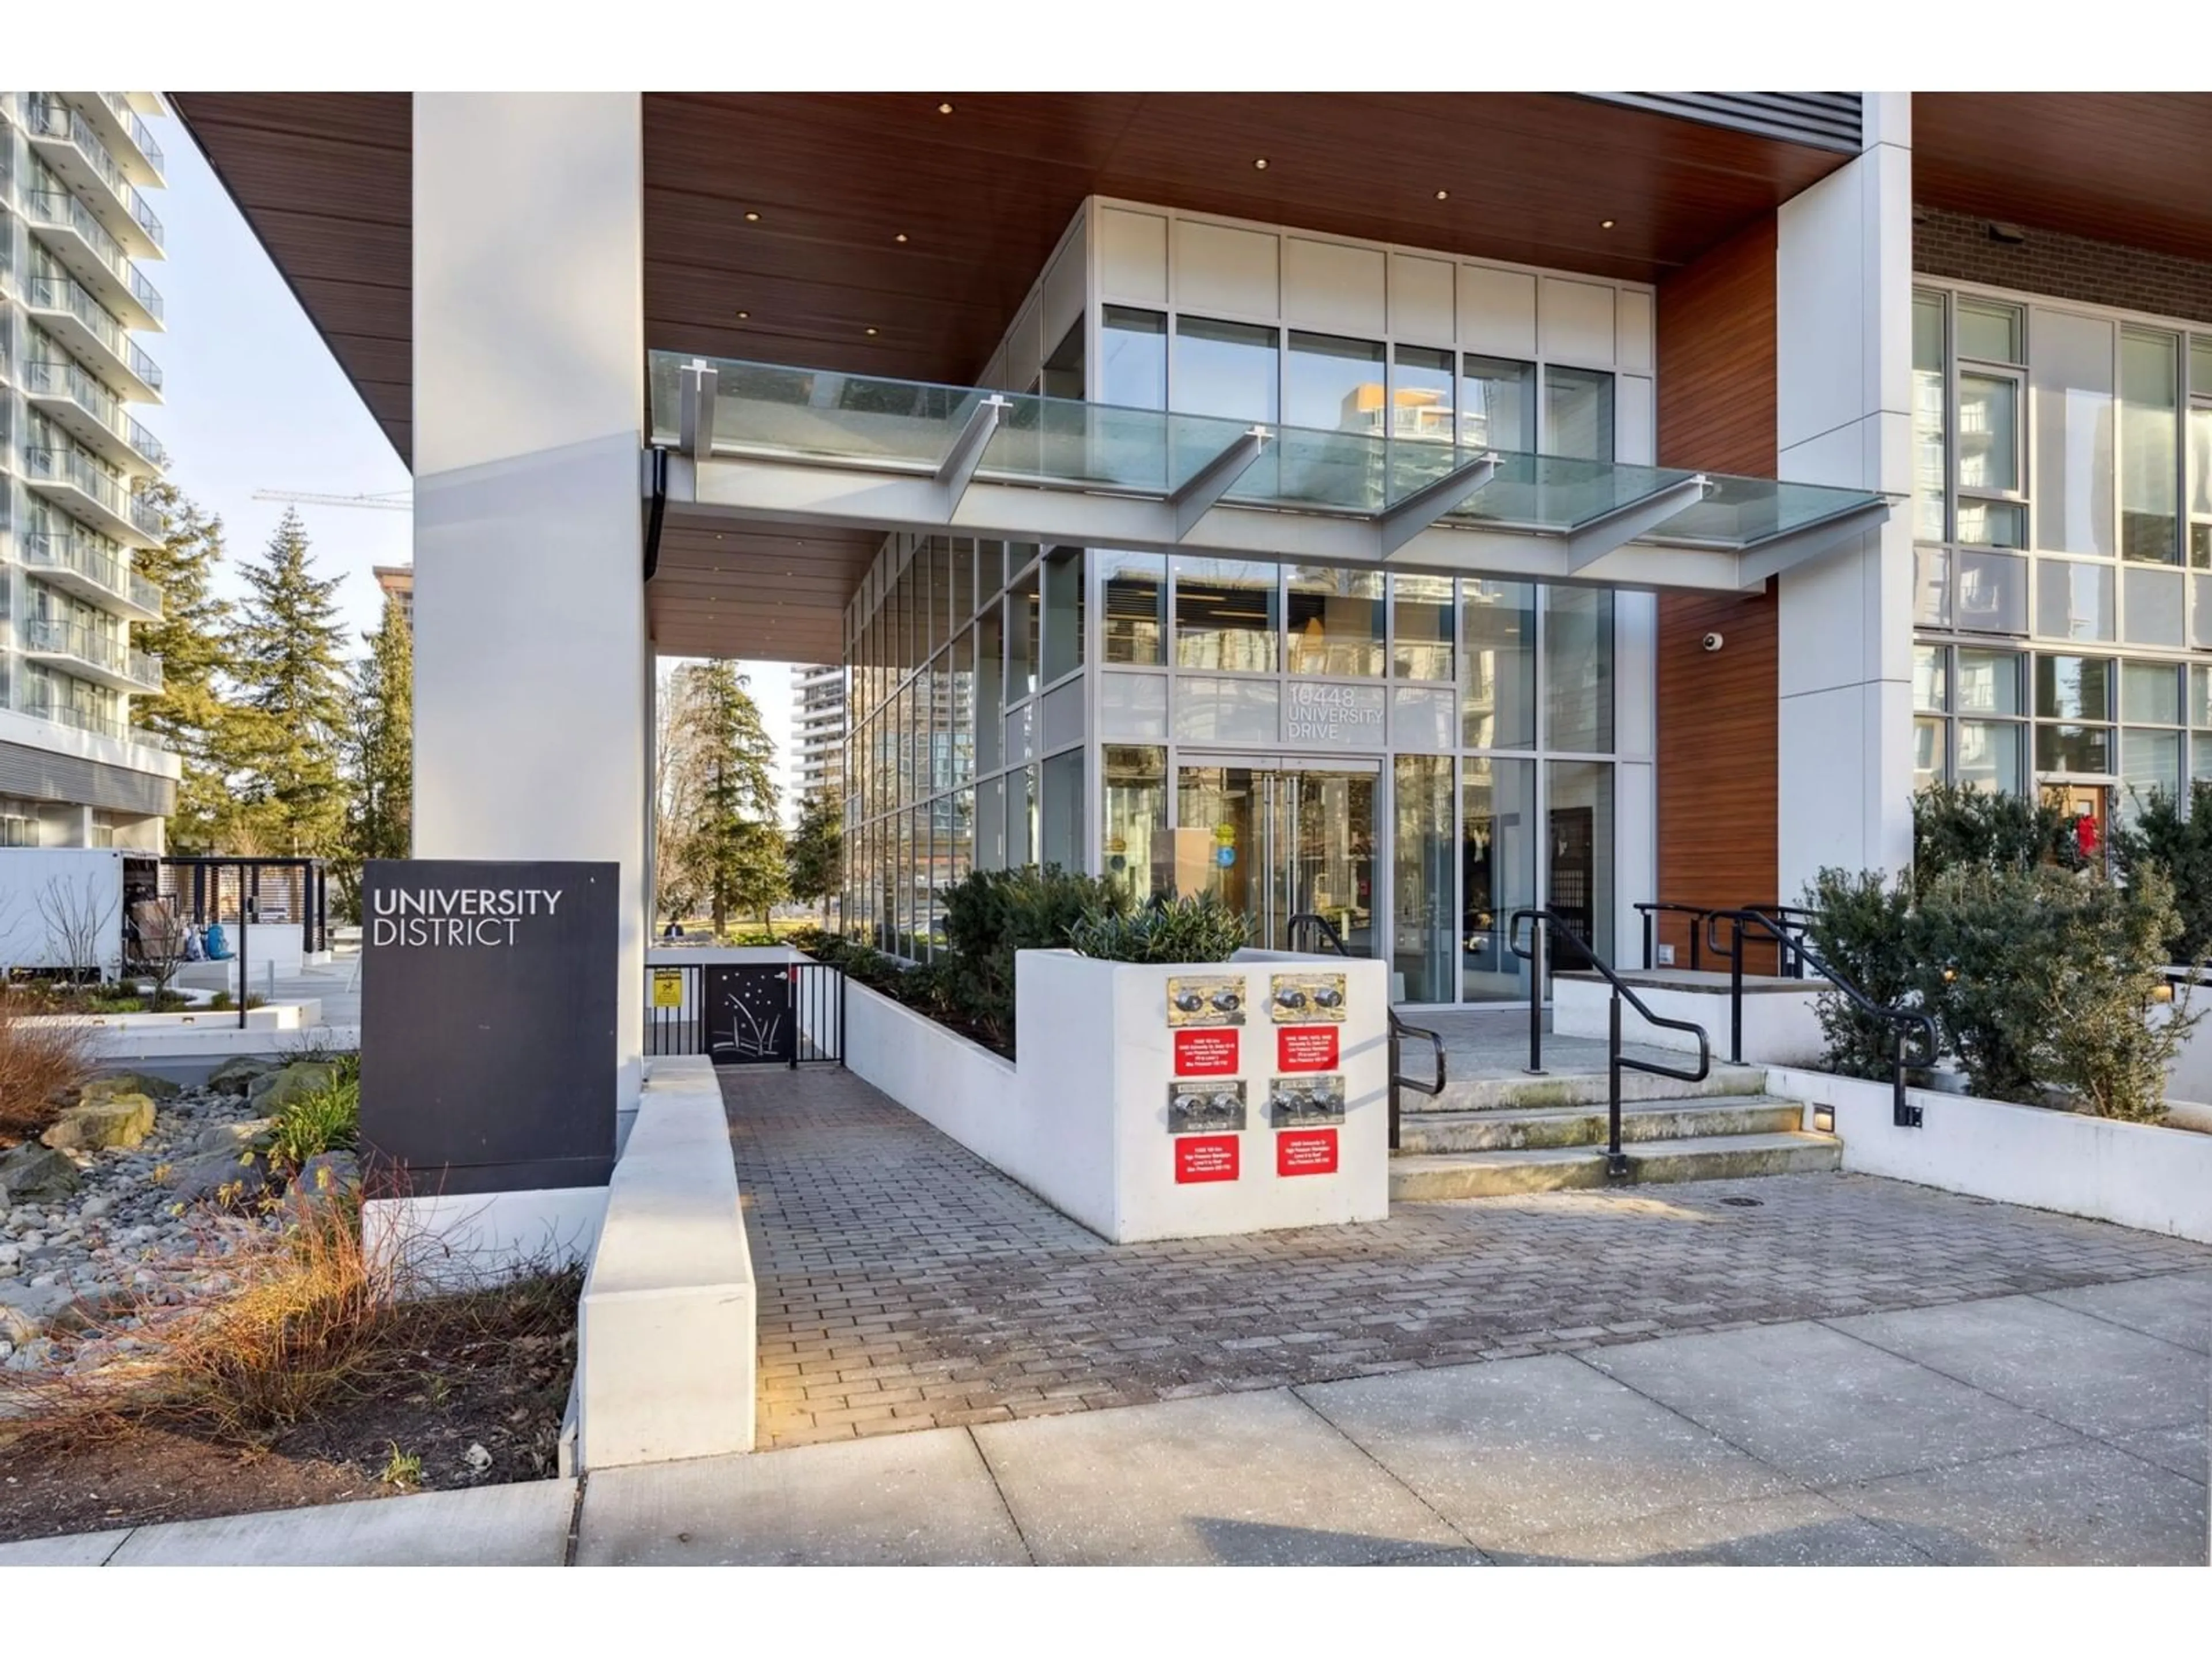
[{"x": 1712, "y": 641}]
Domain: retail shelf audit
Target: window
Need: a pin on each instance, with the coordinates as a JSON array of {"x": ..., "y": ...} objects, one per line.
[
  {"x": 1578, "y": 414},
  {"x": 1138, "y": 855},
  {"x": 1333, "y": 384},
  {"x": 1022, "y": 638},
  {"x": 1578, "y": 669},
  {"x": 1497, "y": 685},
  {"x": 1063, "y": 369},
  {"x": 1225, "y": 615},
  {"x": 1421, "y": 405},
  {"x": 1929, "y": 400},
  {"x": 2073, "y": 601},
  {"x": 2072, "y": 376},
  {"x": 1062, "y": 640},
  {"x": 1498, "y": 405},
  {"x": 2077, "y": 691},
  {"x": 1133, "y": 593},
  {"x": 1132, "y": 358},
  {"x": 1224, "y": 369},
  {"x": 1421, "y": 620},
  {"x": 1334, "y": 621},
  {"x": 2200, "y": 452},
  {"x": 1062, "y": 819},
  {"x": 2150, "y": 399}
]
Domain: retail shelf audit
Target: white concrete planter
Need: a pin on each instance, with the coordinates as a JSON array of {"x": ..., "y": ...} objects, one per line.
[
  {"x": 1095, "y": 1120},
  {"x": 1781, "y": 1018},
  {"x": 2137, "y": 1174}
]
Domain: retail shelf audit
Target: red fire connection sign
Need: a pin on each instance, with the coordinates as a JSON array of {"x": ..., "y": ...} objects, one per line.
[
  {"x": 1306, "y": 1048},
  {"x": 1205, "y": 1051},
  {"x": 1305, "y": 1152},
  {"x": 1207, "y": 1157}
]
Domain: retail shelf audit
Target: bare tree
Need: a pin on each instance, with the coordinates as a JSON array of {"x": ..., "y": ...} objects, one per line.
[
  {"x": 79, "y": 920},
  {"x": 159, "y": 948}
]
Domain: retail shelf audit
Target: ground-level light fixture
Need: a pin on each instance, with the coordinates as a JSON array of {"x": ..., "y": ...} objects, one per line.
[{"x": 1824, "y": 1120}]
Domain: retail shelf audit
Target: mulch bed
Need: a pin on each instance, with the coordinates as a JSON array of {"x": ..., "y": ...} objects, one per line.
[{"x": 500, "y": 1381}]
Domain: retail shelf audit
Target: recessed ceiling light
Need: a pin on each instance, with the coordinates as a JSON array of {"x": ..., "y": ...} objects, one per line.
[
  {"x": 1443, "y": 195},
  {"x": 743, "y": 315},
  {"x": 1605, "y": 224},
  {"x": 871, "y": 331},
  {"x": 752, "y": 218},
  {"x": 945, "y": 109},
  {"x": 1261, "y": 163},
  {"x": 900, "y": 237}
]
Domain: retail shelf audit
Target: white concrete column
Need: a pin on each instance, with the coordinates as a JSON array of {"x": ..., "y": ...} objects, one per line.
[
  {"x": 1844, "y": 367},
  {"x": 531, "y": 717}
]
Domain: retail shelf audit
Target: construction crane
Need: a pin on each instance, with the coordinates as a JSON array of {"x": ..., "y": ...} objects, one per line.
[{"x": 392, "y": 500}]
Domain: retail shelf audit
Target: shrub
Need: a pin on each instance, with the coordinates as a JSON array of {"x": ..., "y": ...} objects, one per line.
[
  {"x": 1200, "y": 929},
  {"x": 2038, "y": 979},
  {"x": 42, "y": 1065},
  {"x": 995, "y": 912},
  {"x": 1957, "y": 827},
  {"x": 1862, "y": 927},
  {"x": 328, "y": 1120},
  {"x": 2173, "y": 835}
]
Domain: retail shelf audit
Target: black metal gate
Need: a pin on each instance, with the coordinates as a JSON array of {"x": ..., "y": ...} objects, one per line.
[{"x": 747, "y": 1013}]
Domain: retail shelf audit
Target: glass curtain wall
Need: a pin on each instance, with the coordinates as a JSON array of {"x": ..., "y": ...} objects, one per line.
[{"x": 2063, "y": 512}]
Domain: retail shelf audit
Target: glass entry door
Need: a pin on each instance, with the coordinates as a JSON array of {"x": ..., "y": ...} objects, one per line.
[{"x": 1275, "y": 839}]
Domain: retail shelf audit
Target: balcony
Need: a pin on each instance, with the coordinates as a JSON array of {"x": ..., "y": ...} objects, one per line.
[
  {"x": 81, "y": 489},
  {"x": 89, "y": 719},
  {"x": 68, "y": 143},
  {"x": 127, "y": 137},
  {"x": 66, "y": 310},
  {"x": 92, "y": 415},
  {"x": 66, "y": 227},
  {"x": 79, "y": 565},
  {"x": 78, "y": 650}
]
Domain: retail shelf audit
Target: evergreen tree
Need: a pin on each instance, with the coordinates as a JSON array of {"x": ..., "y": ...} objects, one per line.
[
  {"x": 732, "y": 850},
  {"x": 815, "y": 851},
  {"x": 380, "y": 752},
  {"x": 190, "y": 714},
  {"x": 292, "y": 682}
]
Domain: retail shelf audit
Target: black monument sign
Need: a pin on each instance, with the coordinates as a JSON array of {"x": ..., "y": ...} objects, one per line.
[{"x": 488, "y": 1010}]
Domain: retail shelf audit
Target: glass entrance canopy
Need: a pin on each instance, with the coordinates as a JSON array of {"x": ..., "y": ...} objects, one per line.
[{"x": 797, "y": 445}]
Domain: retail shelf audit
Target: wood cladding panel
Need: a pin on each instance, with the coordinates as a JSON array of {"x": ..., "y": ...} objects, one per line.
[
  {"x": 2114, "y": 166},
  {"x": 1717, "y": 715}
]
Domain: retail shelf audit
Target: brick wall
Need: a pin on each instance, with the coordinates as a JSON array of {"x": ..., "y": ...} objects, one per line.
[{"x": 1958, "y": 245}]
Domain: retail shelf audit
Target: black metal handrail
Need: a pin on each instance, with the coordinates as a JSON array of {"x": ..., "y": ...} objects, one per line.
[
  {"x": 1539, "y": 920},
  {"x": 1794, "y": 920},
  {"x": 1902, "y": 1021},
  {"x": 1400, "y": 1030},
  {"x": 1650, "y": 910}
]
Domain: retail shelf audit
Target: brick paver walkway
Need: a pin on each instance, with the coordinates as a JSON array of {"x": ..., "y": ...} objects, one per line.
[{"x": 904, "y": 1284}]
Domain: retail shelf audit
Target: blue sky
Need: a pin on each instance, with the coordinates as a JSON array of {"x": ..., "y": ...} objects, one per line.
[{"x": 255, "y": 401}]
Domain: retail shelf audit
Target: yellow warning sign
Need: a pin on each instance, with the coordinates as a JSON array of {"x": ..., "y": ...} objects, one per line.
[
  {"x": 1226, "y": 833},
  {"x": 668, "y": 988}
]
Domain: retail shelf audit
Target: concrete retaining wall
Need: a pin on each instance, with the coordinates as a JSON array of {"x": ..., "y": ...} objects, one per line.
[
  {"x": 667, "y": 1336},
  {"x": 2137, "y": 1174}
]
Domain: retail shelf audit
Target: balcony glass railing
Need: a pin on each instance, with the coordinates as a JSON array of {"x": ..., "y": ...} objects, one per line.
[
  {"x": 59, "y": 209},
  {"x": 50, "y": 118},
  {"x": 141, "y": 133},
  {"x": 66, "y": 293},
  {"x": 142, "y": 365},
  {"x": 45, "y": 551},
  {"x": 67, "y": 466},
  {"x": 67, "y": 380},
  {"x": 141, "y": 668}
]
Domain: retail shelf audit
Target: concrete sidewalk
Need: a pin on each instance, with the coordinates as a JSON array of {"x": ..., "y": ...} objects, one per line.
[{"x": 2068, "y": 1426}]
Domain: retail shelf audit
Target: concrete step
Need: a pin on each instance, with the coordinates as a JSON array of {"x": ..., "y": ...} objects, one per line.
[
  {"x": 1503, "y": 1131},
  {"x": 1523, "y": 1093},
  {"x": 1423, "y": 1179}
]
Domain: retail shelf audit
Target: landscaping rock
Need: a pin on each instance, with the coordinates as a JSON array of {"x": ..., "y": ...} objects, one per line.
[
  {"x": 130, "y": 1082},
  {"x": 26, "y": 1310},
  {"x": 253, "y": 1134},
  {"x": 274, "y": 1090},
  {"x": 236, "y": 1076},
  {"x": 325, "y": 1178},
  {"x": 116, "y": 1121},
  {"x": 220, "y": 1179},
  {"x": 32, "y": 1172}
]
